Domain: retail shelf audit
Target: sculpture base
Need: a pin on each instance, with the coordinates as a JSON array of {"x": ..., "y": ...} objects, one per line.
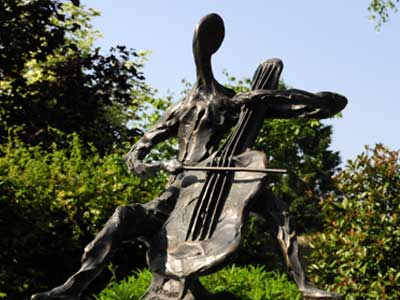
[{"x": 164, "y": 288}]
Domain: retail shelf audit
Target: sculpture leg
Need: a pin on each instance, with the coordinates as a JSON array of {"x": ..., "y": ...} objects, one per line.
[
  {"x": 126, "y": 224},
  {"x": 270, "y": 206}
]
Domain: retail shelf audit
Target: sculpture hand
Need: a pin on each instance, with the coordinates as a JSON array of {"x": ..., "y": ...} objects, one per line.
[
  {"x": 145, "y": 170},
  {"x": 172, "y": 166},
  {"x": 333, "y": 103},
  {"x": 251, "y": 96}
]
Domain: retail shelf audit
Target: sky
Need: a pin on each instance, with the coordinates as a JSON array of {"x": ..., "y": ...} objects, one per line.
[{"x": 326, "y": 45}]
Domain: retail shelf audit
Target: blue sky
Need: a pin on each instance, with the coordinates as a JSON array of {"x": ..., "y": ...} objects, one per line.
[{"x": 325, "y": 46}]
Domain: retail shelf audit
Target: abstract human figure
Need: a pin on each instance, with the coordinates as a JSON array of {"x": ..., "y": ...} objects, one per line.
[{"x": 200, "y": 122}]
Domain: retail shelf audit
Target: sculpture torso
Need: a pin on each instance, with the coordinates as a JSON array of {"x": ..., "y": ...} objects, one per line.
[{"x": 203, "y": 121}]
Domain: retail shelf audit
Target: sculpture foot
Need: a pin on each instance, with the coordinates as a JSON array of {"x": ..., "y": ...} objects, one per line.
[
  {"x": 53, "y": 296},
  {"x": 312, "y": 293}
]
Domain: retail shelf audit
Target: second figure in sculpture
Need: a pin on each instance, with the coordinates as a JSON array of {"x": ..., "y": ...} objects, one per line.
[{"x": 194, "y": 226}]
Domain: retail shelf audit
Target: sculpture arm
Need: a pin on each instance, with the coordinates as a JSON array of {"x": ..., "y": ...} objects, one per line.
[
  {"x": 294, "y": 103},
  {"x": 165, "y": 128}
]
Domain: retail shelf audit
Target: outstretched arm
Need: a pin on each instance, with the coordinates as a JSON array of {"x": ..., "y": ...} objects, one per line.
[
  {"x": 165, "y": 128},
  {"x": 294, "y": 103}
]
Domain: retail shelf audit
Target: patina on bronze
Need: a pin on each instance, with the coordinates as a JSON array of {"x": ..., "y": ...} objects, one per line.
[{"x": 194, "y": 227}]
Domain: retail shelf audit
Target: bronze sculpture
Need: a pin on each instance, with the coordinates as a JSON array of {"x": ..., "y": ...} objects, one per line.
[{"x": 194, "y": 226}]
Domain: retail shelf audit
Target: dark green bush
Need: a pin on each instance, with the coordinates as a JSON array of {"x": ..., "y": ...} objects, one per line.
[
  {"x": 51, "y": 205},
  {"x": 259, "y": 246},
  {"x": 359, "y": 253},
  {"x": 247, "y": 283},
  {"x": 52, "y": 75}
]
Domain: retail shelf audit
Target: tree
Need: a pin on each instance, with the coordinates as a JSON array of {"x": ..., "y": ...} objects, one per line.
[
  {"x": 51, "y": 77},
  {"x": 55, "y": 191},
  {"x": 358, "y": 253},
  {"x": 380, "y": 9}
]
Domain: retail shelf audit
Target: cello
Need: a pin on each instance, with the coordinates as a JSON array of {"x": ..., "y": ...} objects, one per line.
[{"x": 208, "y": 217}]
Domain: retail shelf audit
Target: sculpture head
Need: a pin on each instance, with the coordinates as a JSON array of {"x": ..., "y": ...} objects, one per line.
[
  {"x": 208, "y": 36},
  {"x": 207, "y": 39}
]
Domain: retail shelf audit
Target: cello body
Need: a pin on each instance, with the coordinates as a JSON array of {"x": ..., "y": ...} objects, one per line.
[{"x": 173, "y": 254}]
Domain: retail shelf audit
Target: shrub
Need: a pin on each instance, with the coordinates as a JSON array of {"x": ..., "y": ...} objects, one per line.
[
  {"x": 51, "y": 205},
  {"x": 259, "y": 245},
  {"x": 359, "y": 253},
  {"x": 247, "y": 283}
]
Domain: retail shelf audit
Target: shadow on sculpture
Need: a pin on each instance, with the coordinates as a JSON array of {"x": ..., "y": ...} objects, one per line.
[{"x": 195, "y": 225}]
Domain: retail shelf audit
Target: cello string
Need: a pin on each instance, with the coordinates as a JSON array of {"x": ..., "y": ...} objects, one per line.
[
  {"x": 228, "y": 151},
  {"x": 218, "y": 203},
  {"x": 211, "y": 177},
  {"x": 208, "y": 198},
  {"x": 262, "y": 78},
  {"x": 213, "y": 221}
]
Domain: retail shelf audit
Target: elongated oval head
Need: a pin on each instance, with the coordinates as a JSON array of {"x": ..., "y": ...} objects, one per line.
[
  {"x": 207, "y": 39},
  {"x": 208, "y": 36}
]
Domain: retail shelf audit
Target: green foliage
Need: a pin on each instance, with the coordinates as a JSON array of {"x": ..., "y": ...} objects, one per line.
[
  {"x": 302, "y": 147},
  {"x": 130, "y": 288},
  {"x": 252, "y": 283},
  {"x": 51, "y": 205},
  {"x": 359, "y": 253},
  {"x": 50, "y": 75},
  {"x": 259, "y": 245},
  {"x": 380, "y": 9},
  {"x": 247, "y": 283}
]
